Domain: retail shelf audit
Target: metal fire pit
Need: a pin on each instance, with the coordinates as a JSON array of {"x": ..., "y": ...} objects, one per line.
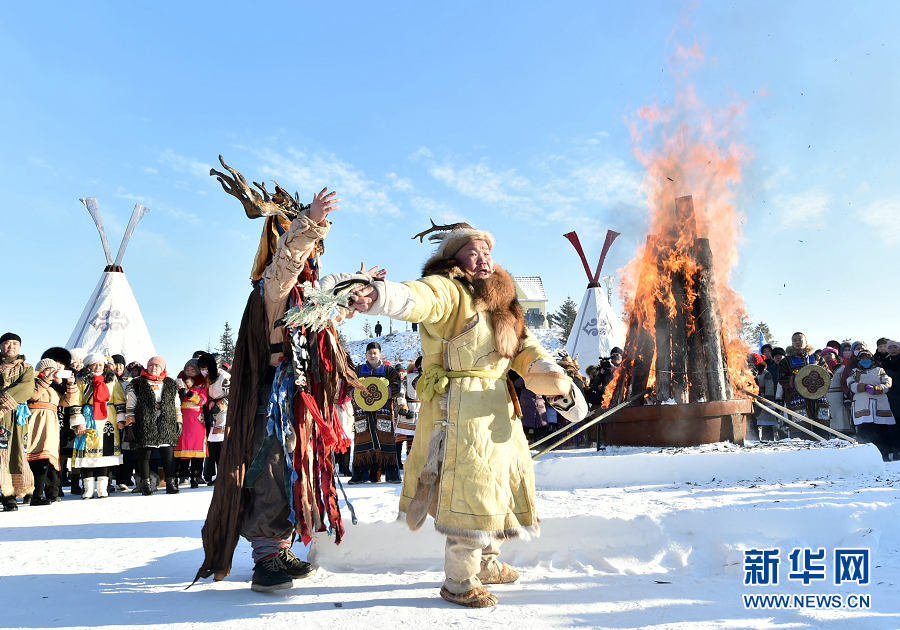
[{"x": 679, "y": 425}]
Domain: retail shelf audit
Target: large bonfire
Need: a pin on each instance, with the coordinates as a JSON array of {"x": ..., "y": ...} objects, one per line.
[{"x": 684, "y": 318}]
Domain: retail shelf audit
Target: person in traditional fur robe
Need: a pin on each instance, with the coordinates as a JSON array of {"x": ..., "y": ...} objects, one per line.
[
  {"x": 274, "y": 485},
  {"x": 42, "y": 452},
  {"x": 470, "y": 467},
  {"x": 16, "y": 385},
  {"x": 97, "y": 418},
  {"x": 799, "y": 354}
]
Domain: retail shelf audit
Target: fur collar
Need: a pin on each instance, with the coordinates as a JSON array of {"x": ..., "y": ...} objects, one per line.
[
  {"x": 803, "y": 352},
  {"x": 495, "y": 296}
]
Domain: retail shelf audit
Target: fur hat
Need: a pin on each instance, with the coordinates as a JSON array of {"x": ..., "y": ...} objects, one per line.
[
  {"x": 118, "y": 358},
  {"x": 78, "y": 354},
  {"x": 450, "y": 242},
  {"x": 10, "y": 336},
  {"x": 45, "y": 364},
  {"x": 95, "y": 357},
  {"x": 60, "y": 355}
]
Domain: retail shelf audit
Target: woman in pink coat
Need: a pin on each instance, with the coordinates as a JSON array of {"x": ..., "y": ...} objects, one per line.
[{"x": 192, "y": 388}]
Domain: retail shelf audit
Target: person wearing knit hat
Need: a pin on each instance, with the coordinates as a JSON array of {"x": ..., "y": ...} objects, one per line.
[
  {"x": 191, "y": 448},
  {"x": 78, "y": 356},
  {"x": 871, "y": 410},
  {"x": 62, "y": 356},
  {"x": 97, "y": 419},
  {"x": 43, "y": 451},
  {"x": 829, "y": 357},
  {"x": 468, "y": 444},
  {"x": 16, "y": 387},
  {"x": 153, "y": 410}
]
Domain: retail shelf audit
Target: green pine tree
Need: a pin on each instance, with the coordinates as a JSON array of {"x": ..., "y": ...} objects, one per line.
[
  {"x": 565, "y": 317},
  {"x": 226, "y": 344}
]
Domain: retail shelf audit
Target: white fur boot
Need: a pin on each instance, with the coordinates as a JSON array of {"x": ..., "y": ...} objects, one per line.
[
  {"x": 89, "y": 484},
  {"x": 102, "y": 487}
]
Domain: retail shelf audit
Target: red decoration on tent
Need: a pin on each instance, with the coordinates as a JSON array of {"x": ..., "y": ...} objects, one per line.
[{"x": 593, "y": 280}]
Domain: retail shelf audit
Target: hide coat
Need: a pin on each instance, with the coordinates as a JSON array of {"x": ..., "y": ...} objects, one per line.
[{"x": 470, "y": 466}]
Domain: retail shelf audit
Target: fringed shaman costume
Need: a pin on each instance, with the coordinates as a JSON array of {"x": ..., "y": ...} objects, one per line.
[{"x": 276, "y": 476}]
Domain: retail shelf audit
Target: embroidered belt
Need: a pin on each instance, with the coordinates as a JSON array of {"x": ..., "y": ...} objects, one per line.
[{"x": 43, "y": 405}]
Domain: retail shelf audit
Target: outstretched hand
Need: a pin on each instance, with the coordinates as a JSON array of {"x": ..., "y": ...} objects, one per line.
[
  {"x": 375, "y": 272},
  {"x": 323, "y": 203},
  {"x": 362, "y": 297}
]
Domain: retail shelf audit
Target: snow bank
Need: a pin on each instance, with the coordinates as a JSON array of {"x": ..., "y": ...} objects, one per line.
[
  {"x": 658, "y": 513},
  {"x": 635, "y": 466}
]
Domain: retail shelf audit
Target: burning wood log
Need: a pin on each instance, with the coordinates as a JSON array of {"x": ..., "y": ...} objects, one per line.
[
  {"x": 663, "y": 337},
  {"x": 644, "y": 344},
  {"x": 709, "y": 323},
  {"x": 679, "y": 361}
]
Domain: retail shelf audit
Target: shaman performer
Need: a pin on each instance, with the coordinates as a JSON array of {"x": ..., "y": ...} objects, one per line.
[
  {"x": 469, "y": 466},
  {"x": 375, "y": 446},
  {"x": 282, "y": 427}
]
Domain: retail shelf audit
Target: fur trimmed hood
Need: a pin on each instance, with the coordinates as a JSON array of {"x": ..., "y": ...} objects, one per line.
[{"x": 495, "y": 296}]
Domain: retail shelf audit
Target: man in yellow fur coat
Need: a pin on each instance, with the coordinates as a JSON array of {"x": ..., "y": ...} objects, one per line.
[{"x": 470, "y": 467}]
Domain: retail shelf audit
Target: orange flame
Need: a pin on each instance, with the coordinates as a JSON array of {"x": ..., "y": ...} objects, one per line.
[{"x": 688, "y": 149}]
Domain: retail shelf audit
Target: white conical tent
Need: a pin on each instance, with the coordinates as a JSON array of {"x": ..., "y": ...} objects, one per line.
[
  {"x": 596, "y": 331},
  {"x": 111, "y": 322}
]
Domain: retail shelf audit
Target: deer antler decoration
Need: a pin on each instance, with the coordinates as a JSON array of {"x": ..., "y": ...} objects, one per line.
[
  {"x": 256, "y": 205},
  {"x": 439, "y": 228}
]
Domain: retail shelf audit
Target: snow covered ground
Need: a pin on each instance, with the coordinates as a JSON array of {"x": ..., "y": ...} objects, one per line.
[{"x": 631, "y": 538}]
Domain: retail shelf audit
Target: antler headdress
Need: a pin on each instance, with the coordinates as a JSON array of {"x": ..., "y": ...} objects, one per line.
[
  {"x": 281, "y": 204},
  {"x": 451, "y": 238}
]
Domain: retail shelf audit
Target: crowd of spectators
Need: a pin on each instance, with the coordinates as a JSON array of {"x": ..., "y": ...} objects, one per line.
[
  {"x": 90, "y": 424},
  {"x": 860, "y": 400}
]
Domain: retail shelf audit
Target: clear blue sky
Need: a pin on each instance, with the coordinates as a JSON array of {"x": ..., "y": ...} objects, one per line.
[{"x": 510, "y": 115}]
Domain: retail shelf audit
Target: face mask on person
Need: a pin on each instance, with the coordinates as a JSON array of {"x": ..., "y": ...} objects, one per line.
[
  {"x": 204, "y": 371},
  {"x": 865, "y": 364}
]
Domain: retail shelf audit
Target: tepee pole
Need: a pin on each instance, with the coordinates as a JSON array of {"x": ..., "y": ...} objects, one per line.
[
  {"x": 91, "y": 204},
  {"x": 136, "y": 216}
]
